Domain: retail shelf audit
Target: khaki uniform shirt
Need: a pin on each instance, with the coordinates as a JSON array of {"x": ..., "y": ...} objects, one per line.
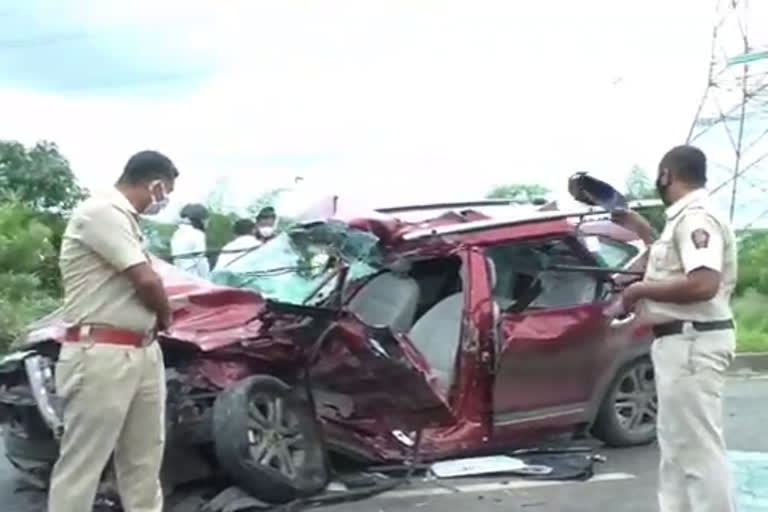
[
  {"x": 695, "y": 236},
  {"x": 102, "y": 240}
]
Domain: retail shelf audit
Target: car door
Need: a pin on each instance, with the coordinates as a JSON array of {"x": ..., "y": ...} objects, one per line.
[
  {"x": 364, "y": 369},
  {"x": 552, "y": 334}
]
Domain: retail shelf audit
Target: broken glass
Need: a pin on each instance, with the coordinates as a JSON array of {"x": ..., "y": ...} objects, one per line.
[{"x": 298, "y": 266}]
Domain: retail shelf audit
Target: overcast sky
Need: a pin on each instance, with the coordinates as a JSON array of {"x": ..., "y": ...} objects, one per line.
[{"x": 389, "y": 100}]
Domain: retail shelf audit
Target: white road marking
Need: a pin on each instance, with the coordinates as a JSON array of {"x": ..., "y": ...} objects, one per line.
[
  {"x": 498, "y": 486},
  {"x": 748, "y": 376}
]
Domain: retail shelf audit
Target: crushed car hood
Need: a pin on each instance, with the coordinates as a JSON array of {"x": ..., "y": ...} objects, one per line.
[{"x": 204, "y": 314}]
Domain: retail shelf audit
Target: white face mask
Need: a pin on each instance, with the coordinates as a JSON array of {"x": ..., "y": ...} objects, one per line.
[
  {"x": 157, "y": 205},
  {"x": 266, "y": 231}
]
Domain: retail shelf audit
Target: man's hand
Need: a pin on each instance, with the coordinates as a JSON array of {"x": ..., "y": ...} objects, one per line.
[
  {"x": 151, "y": 292},
  {"x": 164, "y": 322},
  {"x": 634, "y": 222},
  {"x": 615, "y": 309},
  {"x": 626, "y": 301}
]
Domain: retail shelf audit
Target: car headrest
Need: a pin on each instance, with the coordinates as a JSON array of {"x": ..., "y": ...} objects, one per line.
[
  {"x": 592, "y": 191},
  {"x": 492, "y": 276},
  {"x": 400, "y": 267}
]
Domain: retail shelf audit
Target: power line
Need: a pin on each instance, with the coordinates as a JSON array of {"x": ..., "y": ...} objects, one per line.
[{"x": 755, "y": 220}]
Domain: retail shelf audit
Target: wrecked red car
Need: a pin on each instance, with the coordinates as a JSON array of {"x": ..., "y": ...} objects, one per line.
[{"x": 377, "y": 340}]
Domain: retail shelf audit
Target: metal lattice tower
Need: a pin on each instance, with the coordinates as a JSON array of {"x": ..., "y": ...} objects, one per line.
[{"x": 731, "y": 124}]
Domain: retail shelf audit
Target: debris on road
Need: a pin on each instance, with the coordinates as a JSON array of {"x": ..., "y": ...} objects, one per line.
[{"x": 479, "y": 466}]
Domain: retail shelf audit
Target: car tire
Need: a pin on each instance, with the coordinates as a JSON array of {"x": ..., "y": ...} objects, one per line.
[
  {"x": 37, "y": 449},
  {"x": 627, "y": 415},
  {"x": 33, "y": 457},
  {"x": 267, "y": 440}
]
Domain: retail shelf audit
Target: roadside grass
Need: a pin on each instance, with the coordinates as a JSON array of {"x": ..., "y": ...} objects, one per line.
[{"x": 751, "y": 312}]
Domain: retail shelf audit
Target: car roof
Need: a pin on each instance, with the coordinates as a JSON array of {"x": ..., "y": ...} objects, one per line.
[
  {"x": 446, "y": 229},
  {"x": 476, "y": 226}
]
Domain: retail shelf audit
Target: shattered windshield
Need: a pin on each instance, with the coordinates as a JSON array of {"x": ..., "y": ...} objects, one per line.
[{"x": 298, "y": 266}]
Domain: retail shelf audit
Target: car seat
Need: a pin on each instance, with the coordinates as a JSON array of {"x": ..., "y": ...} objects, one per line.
[
  {"x": 389, "y": 299},
  {"x": 437, "y": 334}
]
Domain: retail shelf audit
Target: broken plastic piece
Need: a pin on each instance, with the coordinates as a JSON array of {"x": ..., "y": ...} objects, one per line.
[{"x": 477, "y": 466}]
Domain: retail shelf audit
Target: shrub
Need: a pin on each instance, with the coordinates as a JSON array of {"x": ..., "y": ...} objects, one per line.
[
  {"x": 751, "y": 321},
  {"x": 753, "y": 263},
  {"x": 16, "y": 315},
  {"x": 25, "y": 249}
]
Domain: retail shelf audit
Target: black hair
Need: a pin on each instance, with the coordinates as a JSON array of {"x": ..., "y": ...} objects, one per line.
[
  {"x": 146, "y": 166},
  {"x": 243, "y": 227},
  {"x": 267, "y": 212},
  {"x": 194, "y": 211},
  {"x": 195, "y": 214},
  {"x": 687, "y": 163}
]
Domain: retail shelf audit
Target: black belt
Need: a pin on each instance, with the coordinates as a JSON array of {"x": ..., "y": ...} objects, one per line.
[{"x": 676, "y": 327}]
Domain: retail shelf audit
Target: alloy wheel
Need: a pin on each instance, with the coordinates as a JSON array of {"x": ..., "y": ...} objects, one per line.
[
  {"x": 635, "y": 401},
  {"x": 275, "y": 440}
]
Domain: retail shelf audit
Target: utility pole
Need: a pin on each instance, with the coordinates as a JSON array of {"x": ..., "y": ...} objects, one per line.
[{"x": 731, "y": 122}]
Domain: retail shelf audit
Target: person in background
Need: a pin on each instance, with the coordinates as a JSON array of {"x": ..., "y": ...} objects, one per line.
[
  {"x": 266, "y": 224},
  {"x": 188, "y": 246},
  {"x": 110, "y": 374},
  {"x": 245, "y": 240}
]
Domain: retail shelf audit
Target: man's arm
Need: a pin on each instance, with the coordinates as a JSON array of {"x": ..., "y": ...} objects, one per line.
[
  {"x": 149, "y": 288},
  {"x": 699, "y": 285},
  {"x": 109, "y": 233},
  {"x": 633, "y": 221}
]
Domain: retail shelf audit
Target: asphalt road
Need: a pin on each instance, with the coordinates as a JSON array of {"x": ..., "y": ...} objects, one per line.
[{"x": 625, "y": 483}]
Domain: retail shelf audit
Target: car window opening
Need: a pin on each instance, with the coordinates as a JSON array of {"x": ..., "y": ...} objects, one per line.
[{"x": 525, "y": 280}]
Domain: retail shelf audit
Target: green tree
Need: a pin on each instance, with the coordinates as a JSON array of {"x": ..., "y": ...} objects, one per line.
[
  {"x": 24, "y": 244},
  {"x": 753, "y": 263},
  {"x": 639, "y": 187},
  {"x": 39, "y": 176},
  {"x": 519, "y": 192},
  {"x": 158, "y": 237},
  {"x": 219, "y": 232}
]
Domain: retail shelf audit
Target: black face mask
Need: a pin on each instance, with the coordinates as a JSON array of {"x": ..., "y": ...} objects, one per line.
[{"x": 661, "y": 188}]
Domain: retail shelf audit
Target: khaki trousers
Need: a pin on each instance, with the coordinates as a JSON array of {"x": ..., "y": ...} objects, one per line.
[
  {"x": 694, "y": 475},
  {"x": 113, "y": 401}
]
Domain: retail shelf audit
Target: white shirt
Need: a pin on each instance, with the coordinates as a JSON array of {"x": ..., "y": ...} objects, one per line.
[
  {"x": 242, "y": 244},
  {"x": 695, "y": 236},
  {"x": 186, "y": 240}
]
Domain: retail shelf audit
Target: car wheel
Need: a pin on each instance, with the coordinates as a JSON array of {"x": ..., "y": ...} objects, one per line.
[
  {"x": 33, "y": 457},
  {"x": 627, "y": 416},
  {"x": 267, "y": 440}
]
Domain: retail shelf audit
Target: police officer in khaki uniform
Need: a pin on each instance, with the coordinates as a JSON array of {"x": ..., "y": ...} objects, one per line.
[
  {"x": 110, "y": 373},
  {"x": 685, "y": 295}
]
